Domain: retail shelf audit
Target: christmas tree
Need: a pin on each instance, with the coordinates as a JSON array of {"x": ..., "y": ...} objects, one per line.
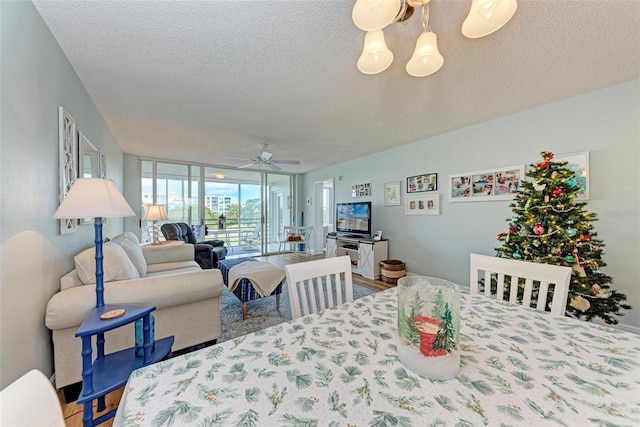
[
  {"x": 549, "y": 226},
  {"x": 446, "y": 336}
]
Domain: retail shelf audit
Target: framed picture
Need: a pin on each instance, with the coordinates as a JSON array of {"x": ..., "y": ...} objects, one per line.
[
  {"x": 579, "y": 163},
  {"x": 377, "y": 235},
  {"x": 422, "y": 205},
  {"x": 490, "y": 184},
  {"x": 361, "y": 190},
  {"x": 392, "y": 193},
  {"x": 67, "y": 162},
  {"x": 419, "y": 183}
]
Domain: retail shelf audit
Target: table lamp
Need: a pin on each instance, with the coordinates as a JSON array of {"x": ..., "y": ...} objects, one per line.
[
  {"x": 155, "y": 213},
  {"x": 98, "y": 198}
]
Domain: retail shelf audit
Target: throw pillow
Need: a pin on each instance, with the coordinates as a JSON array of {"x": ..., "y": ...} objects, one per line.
[
  {"x": 129, "y": 242},
  {"x": 116, "y": 264}
]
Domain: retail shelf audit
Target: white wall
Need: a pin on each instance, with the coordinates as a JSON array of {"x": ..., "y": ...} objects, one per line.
[
  {"x": 606, "y": 123},
  {"x": 36, "y": 79}
]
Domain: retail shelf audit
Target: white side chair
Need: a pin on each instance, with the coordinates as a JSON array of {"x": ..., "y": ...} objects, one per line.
[
  {"x": 319, "y": 284},
  {"x": 303, "y": 232},
  {"x": 31, "y": 401},
  {"x": 483, "y": 266}
]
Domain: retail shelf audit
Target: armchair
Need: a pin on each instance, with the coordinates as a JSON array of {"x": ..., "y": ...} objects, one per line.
[{"x": 208, "y": 252}]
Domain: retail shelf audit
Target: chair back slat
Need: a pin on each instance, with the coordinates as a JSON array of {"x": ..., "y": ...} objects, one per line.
[
  {"x": 328, "y": 288},
  {"x": 319, "y": 284},
  {"x": 537, "y": 277},
  {"x": 543, "y": 291}
]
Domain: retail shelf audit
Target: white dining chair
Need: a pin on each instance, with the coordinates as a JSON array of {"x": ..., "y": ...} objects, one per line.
[
  {"x": 31, "y": 401},
  {"x": 319, "y": 284},
  {"x": 536, "y": 276}
]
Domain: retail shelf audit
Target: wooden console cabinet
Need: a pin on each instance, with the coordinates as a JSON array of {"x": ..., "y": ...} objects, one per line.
[{"x": 365, "y": 254}]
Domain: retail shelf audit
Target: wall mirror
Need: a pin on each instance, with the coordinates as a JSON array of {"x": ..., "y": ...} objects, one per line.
[
  {"x": 88, "y": 159},
  {"x": 88, "y": 164}
]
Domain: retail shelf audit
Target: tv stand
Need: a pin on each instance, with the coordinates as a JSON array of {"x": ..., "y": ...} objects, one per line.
[{"x": 365, "y": 253}]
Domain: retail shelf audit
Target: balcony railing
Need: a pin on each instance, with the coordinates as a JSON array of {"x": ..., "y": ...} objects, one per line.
[{"x": 235, "y": 231}]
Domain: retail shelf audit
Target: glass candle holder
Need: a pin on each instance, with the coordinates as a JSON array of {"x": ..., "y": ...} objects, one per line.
[{"x": 429, "y": 326}]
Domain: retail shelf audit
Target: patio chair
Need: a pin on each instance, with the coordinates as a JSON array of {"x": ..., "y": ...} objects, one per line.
[
  {"x": 250, "y": 237},
  {"x": 537, "y": 278}
]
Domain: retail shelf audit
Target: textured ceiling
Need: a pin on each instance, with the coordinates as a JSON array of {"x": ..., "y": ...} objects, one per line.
[{"x": 203, "y": 80}]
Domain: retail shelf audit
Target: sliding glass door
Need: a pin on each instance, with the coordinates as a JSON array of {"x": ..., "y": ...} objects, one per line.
[
  {"x": 246, "y": 209},
  {"x": 278, "y": 208}
]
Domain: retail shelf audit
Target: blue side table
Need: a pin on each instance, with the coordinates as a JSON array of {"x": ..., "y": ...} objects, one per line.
[{"x": 111, "y": 371}]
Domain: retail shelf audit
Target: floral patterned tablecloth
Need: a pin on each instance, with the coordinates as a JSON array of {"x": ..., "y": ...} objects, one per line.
[{"x": 340, "y": 368}]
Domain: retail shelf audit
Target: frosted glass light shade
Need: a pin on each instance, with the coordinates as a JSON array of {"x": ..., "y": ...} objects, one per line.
[
  {"x": 155, "y": 213},
  {"x": 487, "y": 16},
  {"x": 369, "y": 15},
  {"x": 93, "y": 198},
  {"x": 376, "y": 56},
  {"x": 426, "y": 58}
]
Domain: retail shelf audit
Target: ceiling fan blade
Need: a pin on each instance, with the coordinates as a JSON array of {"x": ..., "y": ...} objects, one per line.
[
  {"x": 239, "y": 158},
  {"x": 273, "y": 167},
  {"x": 286, "y": 162},
  {"x": 246, "y": 166}
]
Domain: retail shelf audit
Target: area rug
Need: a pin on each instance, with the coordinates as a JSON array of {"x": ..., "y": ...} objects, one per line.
[{"x": 261, "y": 313}]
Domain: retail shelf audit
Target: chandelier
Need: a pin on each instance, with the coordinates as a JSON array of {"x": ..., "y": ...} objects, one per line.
[{"x": 485, "y": 17}]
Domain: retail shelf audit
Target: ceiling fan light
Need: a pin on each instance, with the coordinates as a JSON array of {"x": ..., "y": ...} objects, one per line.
[
  {"x": 376, "y": 56},
  {"x": 426, "y": 58},
  {"x": 487, "y": 16},
  {"x": 369, "y": 15}
]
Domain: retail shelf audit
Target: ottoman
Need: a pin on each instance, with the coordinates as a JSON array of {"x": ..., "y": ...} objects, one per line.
[{"x": 245, "y": 291}]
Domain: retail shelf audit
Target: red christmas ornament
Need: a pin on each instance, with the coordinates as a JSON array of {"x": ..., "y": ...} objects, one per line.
[
  {"x": 586, "y": 238},
  {"x": 538, "y": 229},
  {"x": 557, "y": 191},
  {"x": 512, "y": 230},
  {"x": 543, "y": 165},
  {"x": 548, "y": 156}
]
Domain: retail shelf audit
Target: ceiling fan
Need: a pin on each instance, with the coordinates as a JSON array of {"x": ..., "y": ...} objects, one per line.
[{"x": 264, "y": 158}]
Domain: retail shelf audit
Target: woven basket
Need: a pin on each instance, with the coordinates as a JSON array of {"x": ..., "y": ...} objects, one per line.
[{"x": 391, "y": 270}]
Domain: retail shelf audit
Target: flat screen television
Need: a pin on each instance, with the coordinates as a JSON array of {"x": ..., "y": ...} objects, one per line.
[{"x": 354, "y": 218}]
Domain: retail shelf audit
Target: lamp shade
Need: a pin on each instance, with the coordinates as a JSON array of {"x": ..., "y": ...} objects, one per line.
[
  {"x": 426, "y": 58},
  {"x": 93, "y": 198},
  {"x": 376, "y": 56},
  {"x": 155, "y": 213},
  {"x": 487, "y": 16},
  {"x": 369, "y": 15}
]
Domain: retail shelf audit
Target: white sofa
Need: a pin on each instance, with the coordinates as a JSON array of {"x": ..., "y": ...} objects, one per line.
[{"x": 187, "y": 299}]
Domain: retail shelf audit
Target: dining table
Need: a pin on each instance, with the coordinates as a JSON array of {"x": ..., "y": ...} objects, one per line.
[{"x": 339, "y": 367}]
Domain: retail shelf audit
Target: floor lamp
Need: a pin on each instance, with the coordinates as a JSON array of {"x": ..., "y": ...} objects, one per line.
[{"x": 94, "y": 198}]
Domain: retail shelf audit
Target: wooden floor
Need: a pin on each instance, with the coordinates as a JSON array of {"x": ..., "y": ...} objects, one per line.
[{"x": 73, "y": 412}]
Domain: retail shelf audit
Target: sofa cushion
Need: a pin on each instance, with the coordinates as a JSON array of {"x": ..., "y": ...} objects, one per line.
[
  {"x": 171, "y": 267},
  {"x": 129, "y": 242},
  {"x": 116, "y": 264},
  {"x": 70, "y": 280}
]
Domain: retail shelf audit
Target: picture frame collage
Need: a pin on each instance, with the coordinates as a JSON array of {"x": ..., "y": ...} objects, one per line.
[
  {"x": 483, "y": 185},
  {"x": 361, "y": 190},
  {"x": 420, "y": 183}
]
